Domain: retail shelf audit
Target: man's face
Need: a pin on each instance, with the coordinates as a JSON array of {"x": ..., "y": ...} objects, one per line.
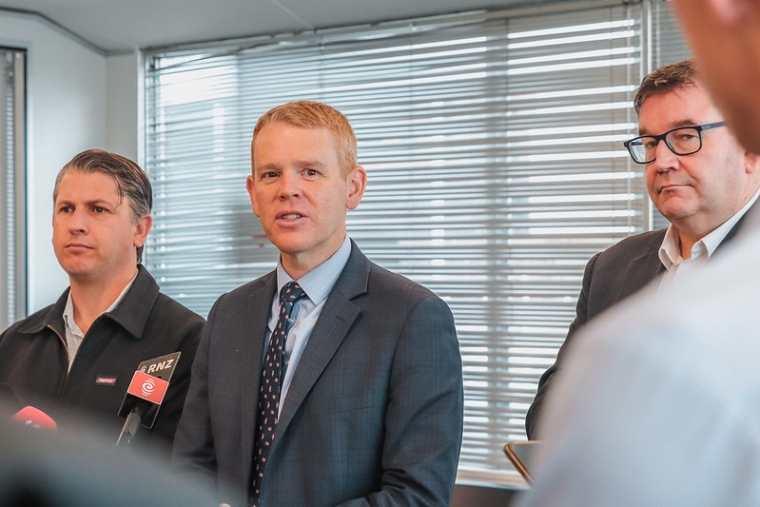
[
  {"x": 696, "y": 192},
  {"x": 94, "y": 237},
  {"x": 301, "y": 194}
]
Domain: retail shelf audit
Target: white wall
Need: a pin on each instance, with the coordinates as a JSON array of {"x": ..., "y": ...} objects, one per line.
[
  {"x": 124, "y": 105},
  {"x": 66, "y": 99}
]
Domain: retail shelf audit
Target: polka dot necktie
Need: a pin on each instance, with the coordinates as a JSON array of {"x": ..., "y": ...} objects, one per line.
[{"x": 271, "y": 382}]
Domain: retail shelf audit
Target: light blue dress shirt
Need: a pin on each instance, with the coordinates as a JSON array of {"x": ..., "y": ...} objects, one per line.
[{"x": 317, "y": 285}]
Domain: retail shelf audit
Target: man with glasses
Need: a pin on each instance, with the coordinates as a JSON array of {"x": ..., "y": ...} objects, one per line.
[
  {"x": 698, "y": 177},
  {"x": 660, "y": 398}
]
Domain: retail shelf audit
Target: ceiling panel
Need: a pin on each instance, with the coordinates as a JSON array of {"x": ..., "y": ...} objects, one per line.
[{"x": 117, "y": 26}]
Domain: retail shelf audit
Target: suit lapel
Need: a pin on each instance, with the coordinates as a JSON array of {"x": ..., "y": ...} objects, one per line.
[
  {"x": 639, "y": 273},
  {"x": 643, "y": 269},
  {"x": 252, "y": 350},
  {"x": 735, "y": 229},
  {"x": 337, "y": 317}
]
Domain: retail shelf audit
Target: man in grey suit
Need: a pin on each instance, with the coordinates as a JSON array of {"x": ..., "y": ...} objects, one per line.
[
  {"x": 698, "y": 177},
  {"x": 370, "y": 407}
]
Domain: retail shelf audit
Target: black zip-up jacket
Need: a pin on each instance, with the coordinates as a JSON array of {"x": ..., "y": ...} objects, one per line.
[{"x": 145, "y": 325}]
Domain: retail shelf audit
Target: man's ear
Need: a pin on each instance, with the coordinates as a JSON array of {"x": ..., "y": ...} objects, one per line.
[
  {"x": 357, "y": 183},
  {"x": 142, "y": 228},
  {"x": 249, "y": 185},
  {"x": 751, "y": 162}
]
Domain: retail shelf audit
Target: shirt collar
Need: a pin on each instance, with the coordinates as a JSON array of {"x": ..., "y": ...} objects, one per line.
[
  {"x": 318, "y": 282},
  {"x": 68, "y": 311},
  {"x": 68, "y": 317},
  {"x": 670, "y": 251}
]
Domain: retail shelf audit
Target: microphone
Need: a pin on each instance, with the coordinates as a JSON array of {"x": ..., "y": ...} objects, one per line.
[
  {"x": 36, "y": 418},
  {"x": 145, "y": 394},
  {"x": 28, "y": 416}
]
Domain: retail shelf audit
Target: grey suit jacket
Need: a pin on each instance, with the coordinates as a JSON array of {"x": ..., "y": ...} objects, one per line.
[
  {"x": 610, "y": 277},
  {"x": 373, "y": 415}
]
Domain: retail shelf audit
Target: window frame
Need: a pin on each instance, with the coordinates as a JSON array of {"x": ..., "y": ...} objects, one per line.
[{"x": 13, "y": 277}]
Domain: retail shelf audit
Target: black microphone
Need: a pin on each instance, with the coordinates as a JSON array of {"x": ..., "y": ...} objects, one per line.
[{"x": 145, "y": 394}]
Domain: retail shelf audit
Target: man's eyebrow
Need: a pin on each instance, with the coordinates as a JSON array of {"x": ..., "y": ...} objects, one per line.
[
  {"x": 674, "y": 125},
  {"x": 265, "y": 167},
  {"x": 298, "y": 163},
  {"x": 104, "y": 203},
  {"x": 309, "y": 163},
  {"x": 100, "y": 202}
]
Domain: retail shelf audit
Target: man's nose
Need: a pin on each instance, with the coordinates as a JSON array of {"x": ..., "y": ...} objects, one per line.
[
  {"x": 289, "y": 185},
  {"x": 665, "y": 159},
  {"x": 78, "y": 222}
]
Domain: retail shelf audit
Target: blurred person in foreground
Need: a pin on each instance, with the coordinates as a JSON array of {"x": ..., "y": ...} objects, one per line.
[
  {"x": 660, "y": 399},
  {"x": 75, "y": 359},
  {"x": 78, "y": 466},
  {"x": 330, "y": 380},
  {"x": 698, "y": 176}
]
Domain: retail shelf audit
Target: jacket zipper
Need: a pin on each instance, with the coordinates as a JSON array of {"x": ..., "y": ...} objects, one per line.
[{"x": 66, "y": 378}]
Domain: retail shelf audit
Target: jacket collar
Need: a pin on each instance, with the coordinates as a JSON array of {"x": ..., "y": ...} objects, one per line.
[{"x": 131, "y": 314}]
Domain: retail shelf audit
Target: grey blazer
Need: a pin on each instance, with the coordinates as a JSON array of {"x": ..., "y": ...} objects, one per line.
[
  {"x": 373, "y": 415},
  {"x": 610, "y": 277}
]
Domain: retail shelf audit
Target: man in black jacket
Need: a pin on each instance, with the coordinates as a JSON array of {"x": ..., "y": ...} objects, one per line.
[{"x": 75, "y": 359}]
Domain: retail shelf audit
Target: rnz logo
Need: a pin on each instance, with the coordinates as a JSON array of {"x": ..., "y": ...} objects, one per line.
[{"x": 148, "y": 387}]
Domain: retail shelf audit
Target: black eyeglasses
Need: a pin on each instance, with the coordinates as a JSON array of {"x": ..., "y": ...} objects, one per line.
[{"x": 681, "y": 141}]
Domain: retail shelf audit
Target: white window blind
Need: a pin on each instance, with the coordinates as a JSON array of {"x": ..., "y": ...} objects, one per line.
[
  {"x": 668, "y": 42},
  {"x": 493, "y": 143},
  {"x": 12, "y": 187}
]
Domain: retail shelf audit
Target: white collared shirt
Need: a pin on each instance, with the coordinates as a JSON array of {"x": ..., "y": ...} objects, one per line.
[
  {"x": 701, "y": 251},
  {"x": 74, "y": 334}
]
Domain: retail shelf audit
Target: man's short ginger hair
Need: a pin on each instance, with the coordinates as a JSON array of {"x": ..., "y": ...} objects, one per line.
[{"x": 311, "y": 114}]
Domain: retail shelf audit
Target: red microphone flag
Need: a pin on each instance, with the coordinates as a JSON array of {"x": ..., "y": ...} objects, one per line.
[{"x": 148, "y": 387}]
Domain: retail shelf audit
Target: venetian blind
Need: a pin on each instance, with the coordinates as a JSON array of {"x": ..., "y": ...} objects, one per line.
[
  {"x": 12, "y": 187},
  {"x": 493, "y": 143}
]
